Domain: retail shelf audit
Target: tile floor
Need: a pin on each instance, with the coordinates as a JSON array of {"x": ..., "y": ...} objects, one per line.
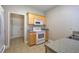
[{"x": 18, "y": 46}]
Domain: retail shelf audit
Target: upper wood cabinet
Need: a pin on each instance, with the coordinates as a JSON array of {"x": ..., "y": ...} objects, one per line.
[{"x": 32, "y": 17}]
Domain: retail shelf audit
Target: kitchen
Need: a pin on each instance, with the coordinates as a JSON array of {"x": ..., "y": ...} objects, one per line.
[
  {"x": 48, "y": 28},
  {"x": 41, "y": 25},
  {"x": 34, "y": 34},
  {"x": 38, "y": 31}
]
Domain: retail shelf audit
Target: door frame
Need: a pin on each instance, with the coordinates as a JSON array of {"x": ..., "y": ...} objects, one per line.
[{"x": 25, "y": 25}]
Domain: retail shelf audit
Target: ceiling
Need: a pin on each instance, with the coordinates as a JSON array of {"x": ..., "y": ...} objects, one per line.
[{"x": 43, "y": 8}]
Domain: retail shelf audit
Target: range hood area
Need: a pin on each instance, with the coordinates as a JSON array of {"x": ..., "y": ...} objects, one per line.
[{"x": 37, "y": 29}]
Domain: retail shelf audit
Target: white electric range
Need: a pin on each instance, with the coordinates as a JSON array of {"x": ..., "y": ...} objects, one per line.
[{"x": 40, "y": 35}]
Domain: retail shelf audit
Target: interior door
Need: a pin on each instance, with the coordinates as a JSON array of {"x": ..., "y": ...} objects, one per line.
[{"x": 17, "y": 26}]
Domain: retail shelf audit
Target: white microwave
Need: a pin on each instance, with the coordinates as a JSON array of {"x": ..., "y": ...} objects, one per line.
[{"x": 38, "y": 22}]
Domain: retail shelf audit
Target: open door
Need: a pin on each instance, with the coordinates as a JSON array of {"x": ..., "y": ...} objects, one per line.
[{"x": 15, "y": 25}]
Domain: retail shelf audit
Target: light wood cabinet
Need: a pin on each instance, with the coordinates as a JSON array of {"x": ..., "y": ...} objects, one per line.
[
  {"x": 42, "y": 18},
  {"x": 32, "y": 17},
  {"x": 31, "y": 38},
  {"x": 46, "y": 35},
  {"x": 32, "y": 35}
]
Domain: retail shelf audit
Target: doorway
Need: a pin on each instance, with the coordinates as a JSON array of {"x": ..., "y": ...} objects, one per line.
[{"x": 16, "y": 29}]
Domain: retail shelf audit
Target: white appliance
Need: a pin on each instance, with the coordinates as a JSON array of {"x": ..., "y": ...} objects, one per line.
[
  {"x": 38, "y": 22},
  {"x": 36, "y": 29},
  {"x": 40, "y": 34},
  {"x": 40, "y": 37},
  {"x": 2, "y": 45}
]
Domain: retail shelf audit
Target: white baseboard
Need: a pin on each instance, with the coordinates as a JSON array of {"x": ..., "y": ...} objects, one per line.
[
  {"x": 17, "y": 37},
  {"x": 6, "y": 47},
  {"x": 2, "y": 49},
  {"x": 25, "y": 42}
]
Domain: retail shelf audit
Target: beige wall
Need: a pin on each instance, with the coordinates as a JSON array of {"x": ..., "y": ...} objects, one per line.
[
  {"x": 20, "y": 10},
  {"x": 62, "y": 20}
]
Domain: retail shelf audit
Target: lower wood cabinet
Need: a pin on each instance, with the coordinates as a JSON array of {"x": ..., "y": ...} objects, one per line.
[
  {"x": 31, "y": 38},
  {"x": 46, "y": 35}
]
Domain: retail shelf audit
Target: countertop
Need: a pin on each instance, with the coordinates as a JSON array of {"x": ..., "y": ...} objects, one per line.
[
  {"x": 34, "y": 31},
  {"x": 64, "y": 45}
]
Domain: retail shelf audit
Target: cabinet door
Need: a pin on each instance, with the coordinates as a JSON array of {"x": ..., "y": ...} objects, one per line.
[
  {"x": 32, "y": 38},
  {"x": 31, "y": 18},
  {"x": 42, "y": 18},
  {"x": 46, "y": 35}
]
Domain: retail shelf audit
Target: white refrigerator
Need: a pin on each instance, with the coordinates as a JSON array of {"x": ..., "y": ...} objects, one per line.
[{"x": 2, "y": 45}]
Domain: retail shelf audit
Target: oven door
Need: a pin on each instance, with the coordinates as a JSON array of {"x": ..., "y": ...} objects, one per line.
[{"x": 40, "y": 37}]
